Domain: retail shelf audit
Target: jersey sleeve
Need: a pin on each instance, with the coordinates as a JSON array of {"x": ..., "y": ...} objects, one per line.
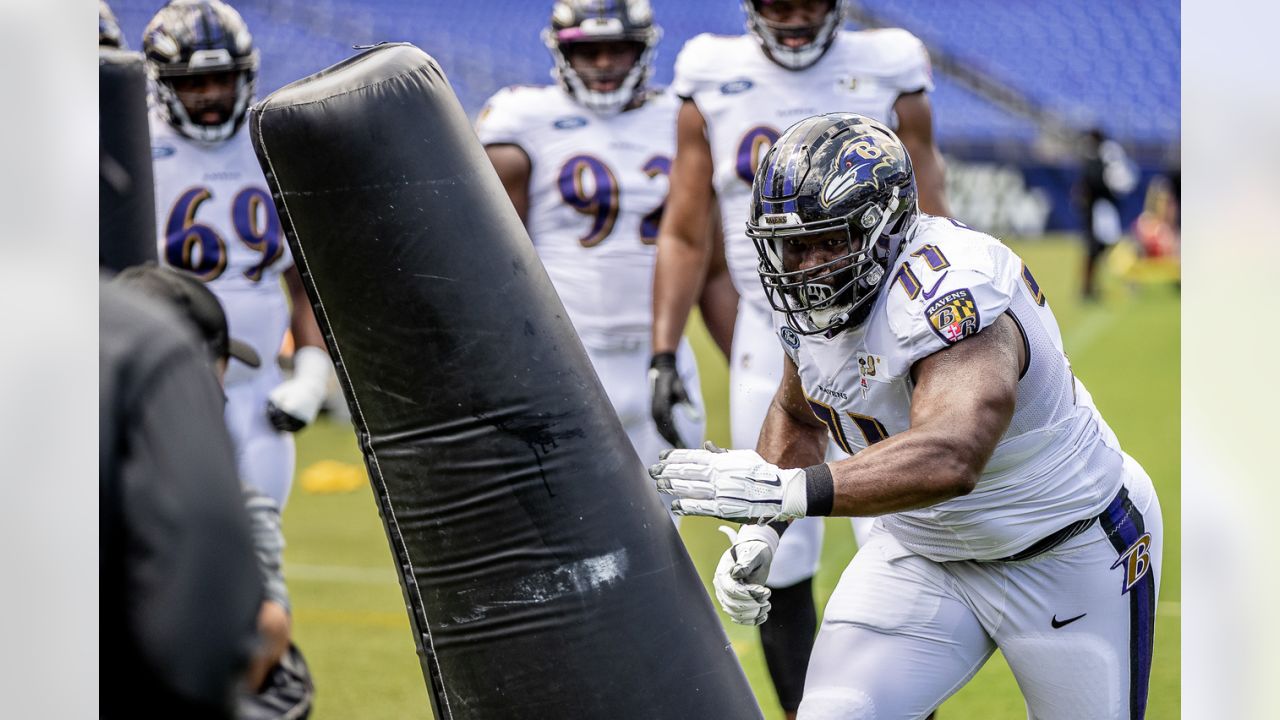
[
  {"x": 943, "y": 293},
  {"x": 905, "y": 61},
  {"x": 789, "y": 338},
  {"x": 695, "y": 67},
  {"x": 500, "y": 120}
]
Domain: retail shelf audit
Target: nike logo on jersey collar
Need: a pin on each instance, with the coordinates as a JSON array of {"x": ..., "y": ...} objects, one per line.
[
  {"x": 928, "y": 294},
  {"x": 1056, "y": 623}
]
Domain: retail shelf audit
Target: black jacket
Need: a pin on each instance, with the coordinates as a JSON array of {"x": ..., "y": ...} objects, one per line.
[{"x": 180, "y": 588}]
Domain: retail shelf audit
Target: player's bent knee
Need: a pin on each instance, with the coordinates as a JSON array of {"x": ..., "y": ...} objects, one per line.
[{"x": 837, "y": 703}]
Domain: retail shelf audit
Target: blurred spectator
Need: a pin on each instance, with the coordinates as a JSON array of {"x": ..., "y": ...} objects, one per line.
[
  {"x": 180, "y": 590},
  {"x": 1108, "y": 175},
  {"x": 1158, "y": 228},
  {"x": 286, "y": 687}
]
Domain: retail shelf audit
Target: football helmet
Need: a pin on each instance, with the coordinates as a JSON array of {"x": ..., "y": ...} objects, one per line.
[
  {"x": 843, "y": 182},
  {"x": 770, "y": 35},
  {"x": 198, "y": 37},
  {"x": 593, "y": 21},
  {"x": 109, "y": 34}
]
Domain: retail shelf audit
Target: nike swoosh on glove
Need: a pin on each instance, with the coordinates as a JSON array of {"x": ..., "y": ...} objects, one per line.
[
  {"x": 730, "y": 484},
  {"x": 294, "y": 403},
  {"x": 742, "y": 571}
]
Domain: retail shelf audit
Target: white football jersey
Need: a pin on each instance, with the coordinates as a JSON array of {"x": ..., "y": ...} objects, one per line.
[
  {"x": 1057, "y": 463},
  {"x": 747, "y": 101},
  {"x": 596, "y": 193},
  {"x": 215, "y": 219}
]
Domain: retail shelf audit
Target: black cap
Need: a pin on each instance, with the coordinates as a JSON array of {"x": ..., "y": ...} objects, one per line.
[{"x": 196, "y": 302}]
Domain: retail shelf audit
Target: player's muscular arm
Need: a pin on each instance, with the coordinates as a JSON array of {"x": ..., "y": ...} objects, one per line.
[
  {"x": 513, "y": 166},
  {"x": 294, "y": 403},
  {"x": 719, "y": 301},
  {"x": 962, "y": 403},
  {"x": 791, "y": 436},
  {"x": 302, "y": 323},
  {"x": 915, "y": 129},
  {"x": 684, "y": 245}
]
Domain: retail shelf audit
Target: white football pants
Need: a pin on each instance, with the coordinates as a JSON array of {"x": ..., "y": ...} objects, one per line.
[
  {"x": 264, "y": 455},
  {"x": 623, "y": 369},
  {"x": 902, "y": 633}
]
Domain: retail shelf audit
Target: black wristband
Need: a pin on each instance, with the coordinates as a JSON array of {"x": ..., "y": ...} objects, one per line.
[
  {"x": 780, "y": 526},
  {"x": 663, "y": 361},
  {"x": 819, "y": 490}
]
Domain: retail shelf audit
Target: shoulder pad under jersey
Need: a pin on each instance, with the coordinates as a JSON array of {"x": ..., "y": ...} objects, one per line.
[
  {"x": 507, "y": 115},
  {"x": 706, "y": 61},
  {"x": 897, "y": 57},
  {"x": 948, "y": 283}
]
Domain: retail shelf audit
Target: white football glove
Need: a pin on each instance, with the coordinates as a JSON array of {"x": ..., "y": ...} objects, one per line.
[
  {"x": 730, "y": 484},
  {"x": 743, "y": 569},
  {"x": 294, "y": 403}
]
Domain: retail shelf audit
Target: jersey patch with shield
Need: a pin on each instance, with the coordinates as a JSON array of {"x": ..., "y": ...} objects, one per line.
[{"x": 954, "y": 316}]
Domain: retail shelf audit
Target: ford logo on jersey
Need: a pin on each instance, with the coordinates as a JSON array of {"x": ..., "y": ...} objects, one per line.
[
  {"x": 162, "y": 151},
  {"x": 733, "y": 87},
  {"x": 571, "y": 122}
]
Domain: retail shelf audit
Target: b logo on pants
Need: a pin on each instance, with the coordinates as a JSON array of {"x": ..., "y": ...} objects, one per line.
[{"x": 1136, "y": 561}]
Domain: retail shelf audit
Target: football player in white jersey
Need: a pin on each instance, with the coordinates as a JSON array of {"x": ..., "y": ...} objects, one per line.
[
  {"x": 1007, "y": 516},
  {"x": 585, "y": 162},
  {"x": 216, "y": 220},
  {"x": 739, "y": 93}
]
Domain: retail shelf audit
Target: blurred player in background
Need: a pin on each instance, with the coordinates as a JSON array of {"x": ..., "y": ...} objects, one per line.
[
  {"x": 277, "y": 676},
  {"x": 1107, "y": 177},
  {"x": 1008, "y": 515},
  {"x": 109, "y": 34},
  {"x": 585, "y": 162},
  {"x": 217, "y": 222},
  {"x": 179, "y": 585},
  {"x": 738, "y": 93}
]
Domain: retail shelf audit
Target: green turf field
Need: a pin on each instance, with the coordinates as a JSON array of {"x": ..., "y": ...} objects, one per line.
[{"x": 350, "y": 619}]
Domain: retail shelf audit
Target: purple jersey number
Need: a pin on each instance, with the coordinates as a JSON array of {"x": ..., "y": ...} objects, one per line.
[
  {"x": 597, "y": 198},
  {"x": 754, "y": 144},
  {"x": 657, "y": 165},
  {"x": 199, "y": 249},
  {"x": 590, "y": 187}
]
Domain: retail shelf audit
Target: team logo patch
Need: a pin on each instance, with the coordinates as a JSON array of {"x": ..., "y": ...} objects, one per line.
[
  {"x": 733, "y": 87},
  {"x": 790, "y": 338},
  {"x": 162, "y": 151},
  {"x": 954, "y": 316},
  {"x": 1136, "y": 562},
  {"x": 569, "y": 123}
]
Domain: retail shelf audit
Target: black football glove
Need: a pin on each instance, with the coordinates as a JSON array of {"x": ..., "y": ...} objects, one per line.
[
  {"x": 283, "y": 421},
  {"x": 668, "y": 391}
]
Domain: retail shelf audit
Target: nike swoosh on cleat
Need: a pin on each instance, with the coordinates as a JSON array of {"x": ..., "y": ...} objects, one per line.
[
  {"x": 1056, "y": 623},
  {"x": 928, "y": 295}
]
